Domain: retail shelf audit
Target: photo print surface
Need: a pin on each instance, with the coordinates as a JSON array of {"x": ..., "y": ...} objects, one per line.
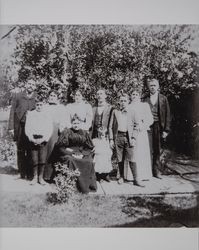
[{"x": 99, "y": 125}]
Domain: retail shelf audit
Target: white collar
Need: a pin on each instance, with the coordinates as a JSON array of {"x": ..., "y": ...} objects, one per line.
[
  {"x": 103, "y": 104},
  {"x": 155, "y": 94}
]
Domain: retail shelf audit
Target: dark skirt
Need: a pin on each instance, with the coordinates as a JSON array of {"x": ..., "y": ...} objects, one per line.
[
  {"x": 49, "y": 169},
  {"x": 86, "y": 182}
]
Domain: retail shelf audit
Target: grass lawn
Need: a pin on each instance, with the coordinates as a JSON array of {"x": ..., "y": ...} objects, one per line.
[{"x": 35, "y": 210}]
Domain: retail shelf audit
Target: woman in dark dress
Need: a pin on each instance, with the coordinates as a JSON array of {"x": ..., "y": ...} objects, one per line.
[{"x": 75, "y": 148}]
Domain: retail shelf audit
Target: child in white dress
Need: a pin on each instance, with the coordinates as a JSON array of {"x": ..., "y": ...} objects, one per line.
[{"x": 102, "y": 158}]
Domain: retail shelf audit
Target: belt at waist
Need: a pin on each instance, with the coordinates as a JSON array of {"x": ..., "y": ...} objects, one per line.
[{"x": 122, "y": 133}]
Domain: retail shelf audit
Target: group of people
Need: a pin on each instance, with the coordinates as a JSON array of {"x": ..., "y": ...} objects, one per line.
[{"x": 85, "y": 137}]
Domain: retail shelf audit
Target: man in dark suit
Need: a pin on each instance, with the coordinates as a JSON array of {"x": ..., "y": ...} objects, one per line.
[
  {"x": 21, "y": 103},
  {"x": 101, "y": 119},
  {"x": 160, "y": 128},
  {"x": 101, "y": 114}
]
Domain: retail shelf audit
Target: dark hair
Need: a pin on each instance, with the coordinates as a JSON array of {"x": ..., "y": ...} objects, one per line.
[
  {"x": 75, "y": 91},
  {"x": 123, "y": 94},
  {"x": 78, "y": 90},
  {"x": 153, "y": 80},
  {"x": 53, "y": 91},
  {"x": 39, "y": 98},
  {"x": 136, "y": 89},
  {"x": 103, "y": 89},
  {"x": 30, "y": 79}
]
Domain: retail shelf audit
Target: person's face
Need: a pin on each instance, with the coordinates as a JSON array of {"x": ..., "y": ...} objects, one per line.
[
  {"x": 39, "y": 106},
  {"x": 123, "y": 102},
  {"x": 153, "y": 87},
  {"x": 30, "y": 86},
  {"x": 76, "y": 124},
  {"x": 53, "y": 98},
  {"x": 78, "y": 97},
  {"x": 135, "y": 96},
  {"x": 101, "y": 95}
]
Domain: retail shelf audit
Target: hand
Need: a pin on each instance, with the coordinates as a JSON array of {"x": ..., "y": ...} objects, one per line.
[
  {"x": 37, "y": 141},
  {"x": 69, "y": 149},
  {"x": 34, "y": 141},
  {"x": 61, "y": 128},
  {"x": 112, "y": 145},
  {"x": 164, "y": 135},
  {"x": 133, "y": 142},
  {"x": 141, "y": 127},
  {"x": 11, "y": 133},
  {"x": 77, "y": 156}
]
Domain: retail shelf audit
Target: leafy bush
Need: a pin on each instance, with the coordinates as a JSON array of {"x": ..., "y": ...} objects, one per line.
[
  {"x": 112, "y": 56},
  {"x": 7, "y": 151},
  {"x": 65, "y": 57},
  {"x": 7, "y": 146},
  {"x": 65, "y": 181}
]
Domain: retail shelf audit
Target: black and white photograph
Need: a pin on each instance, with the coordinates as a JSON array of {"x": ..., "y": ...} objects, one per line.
[{"x": 99, "y": 126}]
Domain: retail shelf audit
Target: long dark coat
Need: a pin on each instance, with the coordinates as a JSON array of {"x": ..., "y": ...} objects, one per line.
[
  {"x": 105, "y": 117},
  {"x": 163, "y": 112},
  {"x": 20, "y": 105}
]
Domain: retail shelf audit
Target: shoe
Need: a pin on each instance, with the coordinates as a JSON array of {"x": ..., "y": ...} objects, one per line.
[
  {"x": 107, "y": 178},
  {"x": 34, "y": 181},
  {"x": 41, "y": 173},
  {"x": 35, "y": 176},
  {"x": 136, "y": 183},
  {"x": 158, "y": 176},
  {"x": 42, "y": 182},
  {"x": 126, "y": 181},
  {"x": 120, "y": 181},
  {"x": 20, "y": 178}
]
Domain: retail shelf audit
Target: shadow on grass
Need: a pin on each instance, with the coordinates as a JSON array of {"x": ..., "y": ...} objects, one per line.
[
  {"x": 158, "y": 212},
  {"x": 8, "y": 170}
]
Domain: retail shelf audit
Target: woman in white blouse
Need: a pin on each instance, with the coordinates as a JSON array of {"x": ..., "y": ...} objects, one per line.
[
  {"x": 82, "y": 109},
  {"x": 58, "y": 114},
  {"x": 143, "y": 150}
]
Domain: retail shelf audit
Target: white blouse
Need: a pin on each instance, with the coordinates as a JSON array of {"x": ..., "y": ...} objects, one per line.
[
  {"x": 38, "y": 123},
  {"x": 144, "y": 113},
  {"x": 122, "y": 121},
  {"x": 58, "y": 114},
  {"x": 83, "y": 111}
]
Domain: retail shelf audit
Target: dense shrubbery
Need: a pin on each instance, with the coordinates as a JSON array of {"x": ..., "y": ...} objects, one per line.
[
  {"x": 114, "y": 57},
  {"x": 65, "y": 181},
  {"x": 7, "y": 151},
  {"x": 7, "y": 146}
]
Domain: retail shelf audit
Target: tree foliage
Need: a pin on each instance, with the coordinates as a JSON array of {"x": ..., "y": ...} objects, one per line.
[{"x": 114, "y": 57}]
